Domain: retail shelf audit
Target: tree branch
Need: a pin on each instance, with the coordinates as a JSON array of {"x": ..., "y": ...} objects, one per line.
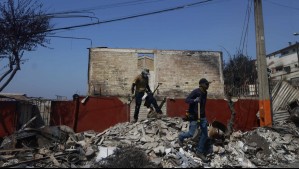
[{"x": 10, "y": 77}]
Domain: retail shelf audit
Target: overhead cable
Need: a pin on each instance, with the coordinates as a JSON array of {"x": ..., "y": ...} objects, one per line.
[{"x": 133, "y": 16}]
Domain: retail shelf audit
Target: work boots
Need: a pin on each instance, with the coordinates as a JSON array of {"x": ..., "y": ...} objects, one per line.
[
  {"x": 181, "y": 144},
  {"x": 202, "y": 157}
]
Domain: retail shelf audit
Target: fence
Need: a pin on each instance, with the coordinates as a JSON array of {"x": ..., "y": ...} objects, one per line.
[
  {"x": 250, "y": 90},
  {"x": 89, "y": 113},
  {"x": 44, "y": 108},
  {"x": 218, "y": 110},
  {"x": 247, "y": 90}
]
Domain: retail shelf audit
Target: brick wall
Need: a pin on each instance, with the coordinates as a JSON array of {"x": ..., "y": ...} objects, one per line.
[
  {"x": 112, "y": 71},
  {"x": 146, "y": 62},
  {"x": 180, "y": 71}
]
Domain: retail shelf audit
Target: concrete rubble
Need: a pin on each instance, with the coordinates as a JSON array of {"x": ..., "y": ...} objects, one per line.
[{"x": 150, "y": 143}]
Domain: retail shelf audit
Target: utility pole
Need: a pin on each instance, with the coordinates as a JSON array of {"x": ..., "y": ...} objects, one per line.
[
  {"x": 296, "y": 34},
  {"x": 264, "y": 94}
]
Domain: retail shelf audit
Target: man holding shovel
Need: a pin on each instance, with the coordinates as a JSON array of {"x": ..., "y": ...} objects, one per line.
[{"x": 197, "y": 117}]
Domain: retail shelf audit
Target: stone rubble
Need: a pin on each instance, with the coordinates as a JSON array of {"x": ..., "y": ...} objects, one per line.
[{"x": 59, "y": 146}]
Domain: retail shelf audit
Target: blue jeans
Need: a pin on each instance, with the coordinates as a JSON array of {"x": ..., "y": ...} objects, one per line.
[
  {"x": 192, "y": 128},
  {"x": 201, "y": 148}
]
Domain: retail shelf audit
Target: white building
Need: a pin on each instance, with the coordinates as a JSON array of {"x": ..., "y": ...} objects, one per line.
[{"x": 284, "y": 64}]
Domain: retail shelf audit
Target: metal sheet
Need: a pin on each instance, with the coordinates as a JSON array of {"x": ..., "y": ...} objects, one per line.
[
  {"x": 97, "y": 113},
  {"x": 7, "y": 118},
  {"x": 282, "y": 95}
]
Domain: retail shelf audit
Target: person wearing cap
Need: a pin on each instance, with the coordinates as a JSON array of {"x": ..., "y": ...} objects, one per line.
[
  {"x": 198, "y": 97},
  {"x": 141, "y": 83}
]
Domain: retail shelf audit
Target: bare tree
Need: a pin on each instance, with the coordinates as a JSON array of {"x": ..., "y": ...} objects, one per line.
[
  {"x": 23, "y": 27},
  {"x": 239, "y": 71}
]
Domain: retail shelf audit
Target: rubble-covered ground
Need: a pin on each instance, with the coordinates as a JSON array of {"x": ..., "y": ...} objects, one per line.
[{"x": 150, "y": 143}]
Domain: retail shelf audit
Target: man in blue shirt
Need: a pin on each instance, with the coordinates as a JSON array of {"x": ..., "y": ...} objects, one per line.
[{"x": 197, "y": 101}]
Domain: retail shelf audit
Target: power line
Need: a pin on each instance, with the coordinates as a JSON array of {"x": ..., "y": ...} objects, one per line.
[
  {"x": 244, "y": 35},
  {"x": 133, "y": 16},
  {"x": 114, "y": 5},
  {"x": 73, "y": 16},
  {"x": 69, "y": 37},
  {"x": 64, "y": 14},
  {"x": 249, "y": 9},
  {"x": 70, "y": 12}
]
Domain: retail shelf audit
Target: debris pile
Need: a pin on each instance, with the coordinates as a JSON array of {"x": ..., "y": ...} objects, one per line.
[
  {"x": 127, "y": 157},
  {"x": 150, "y": 143},
  {"x": 262, "y": 147}
]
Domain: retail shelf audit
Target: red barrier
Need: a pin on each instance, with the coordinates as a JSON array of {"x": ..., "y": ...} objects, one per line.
[
  {"x": 62, "y": 113},
  {"x": 96, "y": 113},
  {"x": 7, "y": 118},
  {"x": 100, "y": 113},
  {"x": 218, "y": 110}
]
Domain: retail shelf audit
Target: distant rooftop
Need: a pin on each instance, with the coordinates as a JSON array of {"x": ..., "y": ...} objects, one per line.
[{"x": 15, "y": 96}]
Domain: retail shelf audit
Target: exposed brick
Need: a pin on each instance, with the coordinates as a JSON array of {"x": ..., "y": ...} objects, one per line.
[{"x": 112, "y": 71}]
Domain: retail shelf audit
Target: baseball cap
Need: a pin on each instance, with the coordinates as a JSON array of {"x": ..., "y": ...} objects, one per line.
[{"x": 204, "y": 81}]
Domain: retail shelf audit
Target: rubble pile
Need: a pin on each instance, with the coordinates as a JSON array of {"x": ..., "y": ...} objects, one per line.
[
  {"x": 127, "y": 157},
  {"x": 150, "y": 143},
  {"x": 262, "y": 147}
]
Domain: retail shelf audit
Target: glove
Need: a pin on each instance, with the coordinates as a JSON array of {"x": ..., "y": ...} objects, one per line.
[
  {"x": 196, "y": 100},
  {"x": 198, "y": 123},
  {"x": 186, "y": 118},
  {"x": 133, "y": 88}
]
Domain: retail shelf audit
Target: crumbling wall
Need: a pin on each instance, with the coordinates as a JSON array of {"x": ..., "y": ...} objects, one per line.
[
  {"x": 180, "y": 71},
  {"x": 112, "y": 71},
  {"x": 146, "y": 62}
]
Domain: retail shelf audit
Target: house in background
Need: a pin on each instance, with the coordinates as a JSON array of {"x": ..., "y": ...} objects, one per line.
[{"x": 284, "y": 64}]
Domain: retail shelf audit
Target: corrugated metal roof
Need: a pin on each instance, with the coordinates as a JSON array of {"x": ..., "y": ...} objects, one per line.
[{"x": 282, "y": 95}]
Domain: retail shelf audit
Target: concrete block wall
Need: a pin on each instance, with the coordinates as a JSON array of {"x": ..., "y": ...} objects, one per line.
[
  {"x": 112, "y": 71},
  {"x": 146, "y": 62},
  {"x": 180, "y": 71}
]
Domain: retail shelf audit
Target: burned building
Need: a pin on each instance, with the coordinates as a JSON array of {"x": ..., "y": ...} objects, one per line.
[{"x": 112, "y": 71}]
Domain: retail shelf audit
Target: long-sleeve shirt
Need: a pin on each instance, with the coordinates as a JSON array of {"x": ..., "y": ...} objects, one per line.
[
  {"x": 193, "y": 106},
  {"x": 141, "y": 84}
]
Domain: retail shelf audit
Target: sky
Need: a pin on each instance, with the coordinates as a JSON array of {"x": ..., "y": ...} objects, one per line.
[{"x": 215, "y": 25}]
